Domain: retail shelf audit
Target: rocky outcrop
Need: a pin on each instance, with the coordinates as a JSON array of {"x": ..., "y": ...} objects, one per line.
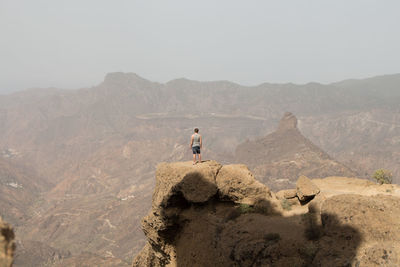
[
  {"x": 285, "y": 154},
  {"x": 7, "y": 245},
  {"x": 178, "y": 185},
  {"x": 305, "y": 189},
  {"x": 237, "y": 184},
  {"x": 288, "y": 122},
  {"x": 213, "y": 215},
  {"x": 196, "y": 184},
  {"x": 183, "y": 191}
]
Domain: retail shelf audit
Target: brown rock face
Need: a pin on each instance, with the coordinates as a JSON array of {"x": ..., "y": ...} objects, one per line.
[
  {"x": 183, "y": 191},
  {"x": 227, "y": 226},
  {"x": 290, "y": 193},
  {"x": 196, "y": 183},
  {"x": 288, "y": 122},
  {"x": 177, "y": 186},
  {"x": 237, "y": 184},
  {"x": 287, "y": 194},
  {"x": 305, "y": 189},
  {"x": 376, "y": 219},
  {"x": 7, "y": 245}
]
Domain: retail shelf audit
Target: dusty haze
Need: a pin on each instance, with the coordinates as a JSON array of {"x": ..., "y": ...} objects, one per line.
[{"x": 73, "y": 44}]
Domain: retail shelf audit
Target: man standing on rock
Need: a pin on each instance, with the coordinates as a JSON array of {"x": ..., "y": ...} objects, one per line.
[{"x": 195, "y": 144}]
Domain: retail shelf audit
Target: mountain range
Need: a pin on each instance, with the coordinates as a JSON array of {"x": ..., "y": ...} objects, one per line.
[{"x": 77, "y": 166}]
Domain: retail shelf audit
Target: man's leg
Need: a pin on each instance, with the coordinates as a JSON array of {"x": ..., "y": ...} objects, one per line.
[
  {"x": 194, "y": 158},
  {"x": 200, "y": 158}
]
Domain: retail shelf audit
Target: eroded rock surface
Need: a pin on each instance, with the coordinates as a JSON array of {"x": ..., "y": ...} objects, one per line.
[
  {"x": 236, "y": 183},
  {"x": 288, "y": 122},
  {"x": 195, "y": 182},
  {"x": 373, "y": 221},
  {"x": 305, "y": 189},
  {"x": 237, "y": 221}
]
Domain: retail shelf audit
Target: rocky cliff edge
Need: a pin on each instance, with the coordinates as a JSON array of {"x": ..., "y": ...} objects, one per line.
[{"x": 213, "y": 215}]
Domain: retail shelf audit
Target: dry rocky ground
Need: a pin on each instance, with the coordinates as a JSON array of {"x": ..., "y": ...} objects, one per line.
[{"x": 214, "y": 215}]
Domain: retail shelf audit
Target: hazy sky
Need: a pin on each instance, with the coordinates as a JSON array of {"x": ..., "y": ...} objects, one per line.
[{"x": 72, "y": 44}]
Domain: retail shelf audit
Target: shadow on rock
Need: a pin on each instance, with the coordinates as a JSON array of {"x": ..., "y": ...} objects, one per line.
[
  {"x": 221, "y": 216},
  {"x": 210, "y": 236}
]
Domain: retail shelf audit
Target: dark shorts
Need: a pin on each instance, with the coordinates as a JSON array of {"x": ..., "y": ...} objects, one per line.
[{"x": 196, "y": 149}]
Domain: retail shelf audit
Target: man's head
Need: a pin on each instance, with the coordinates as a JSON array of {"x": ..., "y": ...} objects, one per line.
[{"x": 196, "y": 130}]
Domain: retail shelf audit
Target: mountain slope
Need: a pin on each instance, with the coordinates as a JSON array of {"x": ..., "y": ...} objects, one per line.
[
  {"x": 279, "y": 158},
  {"x": 19, "y": 189}
]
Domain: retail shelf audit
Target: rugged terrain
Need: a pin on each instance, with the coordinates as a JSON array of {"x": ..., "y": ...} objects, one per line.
[
  {"x": 77, "y": 166},
  {"x": 283, "y": 155},
  {"x": 214, "y": 215},
  {"x": 19, "y": 187}
]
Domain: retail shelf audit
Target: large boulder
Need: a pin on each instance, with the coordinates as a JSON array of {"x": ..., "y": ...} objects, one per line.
[
  {"x": 195, "y": 182},
  {"x": 305, "y": 188},
  {"x": 7, "y": 244},
  {"x": 236, "y": 183}
]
